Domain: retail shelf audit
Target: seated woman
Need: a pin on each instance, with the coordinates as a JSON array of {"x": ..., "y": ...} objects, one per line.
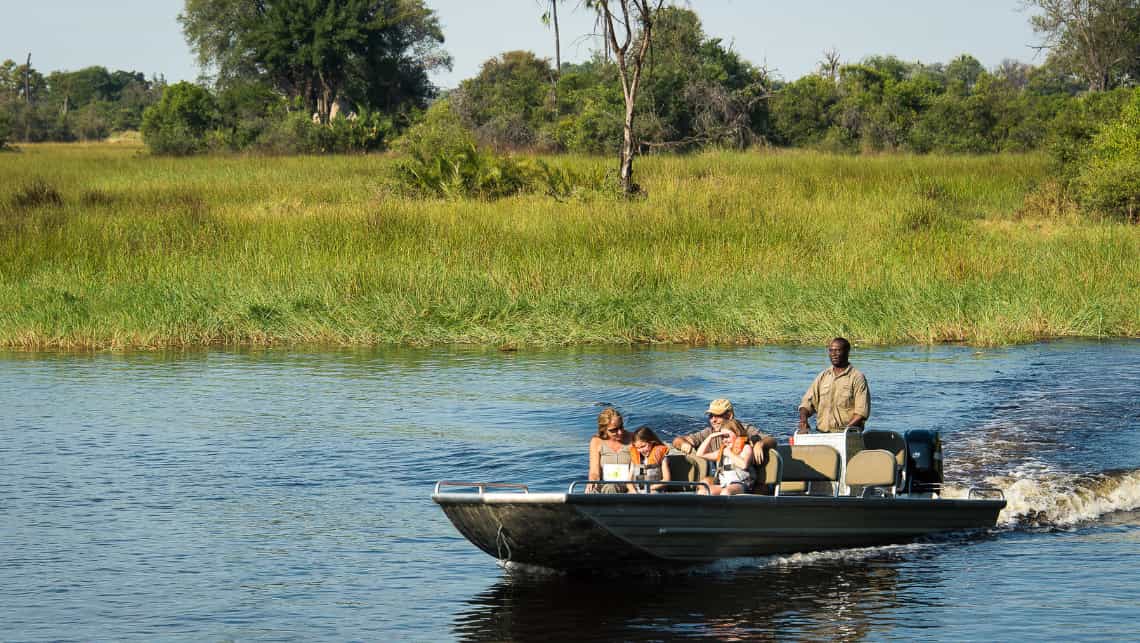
[
  {"x": 730, "y": 450},
  {"x": 609, "y": 453},
  {"x": 647, "y": 455}
]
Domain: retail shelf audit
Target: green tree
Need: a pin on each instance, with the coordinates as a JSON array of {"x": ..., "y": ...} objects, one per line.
[
  {"x": 376, "y": 53},
  {"x": 965, "y": 70},
  {"x": 1096, "y": 39},
  {"x": 179, "y": 123},
  {"x": 697, "y": 91},
  {"x": 506, "y": 104},
  {"x": 71, "y": 90},
  {"x": 1109, "y": 180},
  {"x": 801, "y": 111},
  {"x": 590, "y": 109},
  {"x": 246, "y": 111}
]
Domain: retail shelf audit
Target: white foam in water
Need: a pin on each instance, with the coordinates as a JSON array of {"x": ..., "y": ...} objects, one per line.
[
  {"x": 1039, "y": 496},
  {"x": 812, "y": 558}
]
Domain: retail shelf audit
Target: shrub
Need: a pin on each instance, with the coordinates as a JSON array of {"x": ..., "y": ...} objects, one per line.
[
  {"x": 178, "y": 124},
  {"x": 247, "y": 110},
  {"x": 1109, "y": 177},
  {"x": 439, "y": 132},
  {"x": 474, "y": 172},
  {"x": 38, "y": 193},
  {"x": 1074, "y": 126},
  {"x": 563, "y": 183},
  {"x": 295, "y": 133},
  {"x": 468, "y": 172}
]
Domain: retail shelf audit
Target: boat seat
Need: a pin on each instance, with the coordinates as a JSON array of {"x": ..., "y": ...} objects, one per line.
[
  {"x": 872, "y": 468},
  {"x": 772, "y": 473},
  {"x": 806, "y": 464},
  {"x": 887, "y": 441},
  {"x": 686, "y": 467}
]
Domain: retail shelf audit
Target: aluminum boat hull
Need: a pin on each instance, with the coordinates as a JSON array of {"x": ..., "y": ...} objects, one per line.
[{"x": 594, "y": 531}]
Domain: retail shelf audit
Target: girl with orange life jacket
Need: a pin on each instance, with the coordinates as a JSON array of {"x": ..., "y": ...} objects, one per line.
[
  {"x": 647, "y": 459},
  {"x": 731, "y": 451}
]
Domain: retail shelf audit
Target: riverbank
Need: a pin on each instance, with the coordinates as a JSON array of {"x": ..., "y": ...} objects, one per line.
[{"x": 142, "y": 252}]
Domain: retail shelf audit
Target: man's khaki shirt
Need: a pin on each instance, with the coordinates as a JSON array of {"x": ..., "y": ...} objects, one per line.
[
  {"x": 836, "y": 398},
  {"x": 695, "y": 439}
]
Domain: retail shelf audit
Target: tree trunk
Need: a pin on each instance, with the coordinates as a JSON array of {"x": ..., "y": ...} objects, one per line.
[
  {"x": 630, "y": 78},
  {"x": 28, "y": 99},
  {"x": 627, "y": 152},
  {"x": 557, "y": 56},
  {"x": 557, "y": 40}
]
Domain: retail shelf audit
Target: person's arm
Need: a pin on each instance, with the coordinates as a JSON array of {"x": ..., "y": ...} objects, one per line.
[
  {"x": 803, "y": 426},
  {"x": 740, "y": 460},
  {"x": 761, "y": 449},
  {"x": 702, "y": 451},
  {"x": 862, "y": 408},
  {"x": 665, "y": 476},
  {"x": 807, "y": 406},
  {"x": 687, "y": 443},
  {"x": 595, "y": 463}
]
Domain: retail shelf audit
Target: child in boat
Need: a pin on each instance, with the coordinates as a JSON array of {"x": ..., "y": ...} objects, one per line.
[
  {"x": 734, "y": 459},
  {"x": 609, "y": 453},
  {"x": 647, "y": 457}
]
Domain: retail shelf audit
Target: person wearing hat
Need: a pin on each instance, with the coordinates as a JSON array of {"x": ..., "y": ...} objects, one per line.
[{"x": 719, "y": 412}]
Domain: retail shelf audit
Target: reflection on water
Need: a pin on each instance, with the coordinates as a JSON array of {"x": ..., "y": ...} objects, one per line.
[
  {"x": 284, "y": 494},
  {"x": 834, "y": 602}
]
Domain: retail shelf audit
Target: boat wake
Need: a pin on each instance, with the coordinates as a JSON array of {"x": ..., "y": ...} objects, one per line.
[
  {"x": 824, "y": 557},
  {"x": 1038, "y": 497}
]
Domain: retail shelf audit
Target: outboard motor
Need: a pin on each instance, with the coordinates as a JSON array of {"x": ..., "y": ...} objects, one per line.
[{"x": 923, "y": 461}]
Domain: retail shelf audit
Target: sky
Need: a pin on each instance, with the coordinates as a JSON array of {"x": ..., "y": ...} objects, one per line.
[{"x": 787, "y": 37}]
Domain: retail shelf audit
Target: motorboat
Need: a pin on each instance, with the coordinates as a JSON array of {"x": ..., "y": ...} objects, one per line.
[{"x": 851, "y": 489}]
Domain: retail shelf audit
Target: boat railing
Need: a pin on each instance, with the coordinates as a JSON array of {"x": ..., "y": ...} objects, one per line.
[
  {"x": 642, "y": 486},
  {"x": 482, "y": 486},
  {"x": 984, "y": 492}
]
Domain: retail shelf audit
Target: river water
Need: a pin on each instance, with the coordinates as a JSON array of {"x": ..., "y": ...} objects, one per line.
[{"x": 285, "y": 495}]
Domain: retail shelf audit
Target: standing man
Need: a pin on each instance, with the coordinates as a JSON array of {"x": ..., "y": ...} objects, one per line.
[{"x": 839, "y": 395}]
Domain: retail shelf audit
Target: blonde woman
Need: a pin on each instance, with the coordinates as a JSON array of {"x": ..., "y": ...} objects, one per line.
[{"x": 609, "y": 453}]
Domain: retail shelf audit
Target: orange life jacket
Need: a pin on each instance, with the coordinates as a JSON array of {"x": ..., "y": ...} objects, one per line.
[
  {"x": 738, "y": 444},
  {"x": 656, "y": 455}
]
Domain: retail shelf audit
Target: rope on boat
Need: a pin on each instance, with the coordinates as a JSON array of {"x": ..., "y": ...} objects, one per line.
[{"x": 501, "y": 542}]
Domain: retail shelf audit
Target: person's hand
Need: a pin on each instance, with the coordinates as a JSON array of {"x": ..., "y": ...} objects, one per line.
[{"x": 803, "y": 427}]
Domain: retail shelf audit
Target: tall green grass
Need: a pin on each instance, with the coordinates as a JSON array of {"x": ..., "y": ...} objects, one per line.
[{"x": 726, "y": 248}]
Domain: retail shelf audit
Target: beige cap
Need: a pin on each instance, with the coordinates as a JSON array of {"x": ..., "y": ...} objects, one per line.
[{"x": 719, "y": 407}]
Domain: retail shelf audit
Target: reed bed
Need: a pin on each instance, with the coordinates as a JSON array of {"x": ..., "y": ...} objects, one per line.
[{"x": 134, "y": 251}]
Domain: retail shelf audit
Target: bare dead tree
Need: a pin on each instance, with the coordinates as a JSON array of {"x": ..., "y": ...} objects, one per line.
[
  {"x": 630, "y": 63},
  {"x": 829, "y": 66}
]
